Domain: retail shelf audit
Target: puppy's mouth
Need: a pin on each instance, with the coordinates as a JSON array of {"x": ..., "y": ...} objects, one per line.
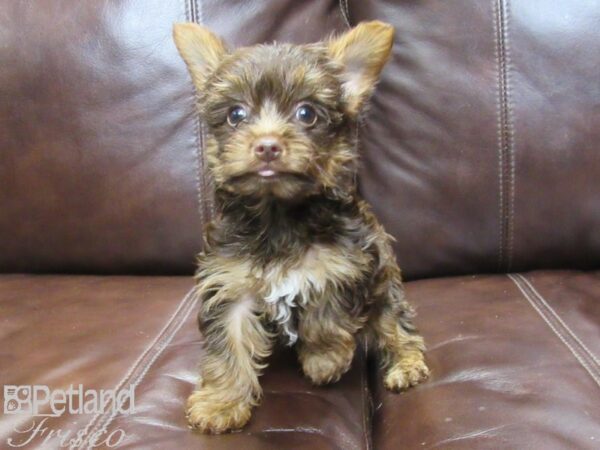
[
  {"x": 267, "y": 172},
  {"x": 273, "y": 181},
  {"x": 270, "y": 174}
]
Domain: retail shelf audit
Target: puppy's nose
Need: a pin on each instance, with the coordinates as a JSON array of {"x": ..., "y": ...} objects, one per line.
[{"x": 267, "y": 149}]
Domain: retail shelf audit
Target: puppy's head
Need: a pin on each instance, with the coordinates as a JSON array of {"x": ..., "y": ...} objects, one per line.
[{"x": 280, "y": 117}]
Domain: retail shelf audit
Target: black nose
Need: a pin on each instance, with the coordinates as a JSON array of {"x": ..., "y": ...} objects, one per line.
[{"x": 267, "y": 149}]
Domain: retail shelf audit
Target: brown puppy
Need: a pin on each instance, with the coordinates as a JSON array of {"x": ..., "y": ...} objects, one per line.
[{"x": 293, "y": 252}]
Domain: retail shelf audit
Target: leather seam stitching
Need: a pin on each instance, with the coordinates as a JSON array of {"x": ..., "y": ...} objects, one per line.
[
  {"x": 209, "y": 206},
  {"x": 147, "y": 367},
  {"x": 530, "y": 295},
  {"x": 510, "y": 138},
  {"x": 553, "y": 312},
  {"x": 199, "y": 164},
  {"x": 193, "y": 13},
  {"x": 506, "y": 169},
  {"x": 177, "y": 318},
  {"x": 498, "y": 52},
  {"x": 345, "y": 12}
]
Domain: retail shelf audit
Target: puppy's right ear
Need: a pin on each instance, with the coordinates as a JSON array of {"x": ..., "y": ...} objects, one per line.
[{"x": 200, "y": 48}]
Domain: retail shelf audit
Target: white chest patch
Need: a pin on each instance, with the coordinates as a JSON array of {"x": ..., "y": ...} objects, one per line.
[
  {"x": 287, "y": 290},
  {"x": 284, "y": 295}
]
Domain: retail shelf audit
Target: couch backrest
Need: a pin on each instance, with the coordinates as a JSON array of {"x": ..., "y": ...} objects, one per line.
[
  {"x": 481, "y": 151},
  {"x": 100, "y": 148}
]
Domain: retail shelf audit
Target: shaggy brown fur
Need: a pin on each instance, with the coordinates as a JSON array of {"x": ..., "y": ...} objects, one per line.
[{"x": 294, "y": 252}]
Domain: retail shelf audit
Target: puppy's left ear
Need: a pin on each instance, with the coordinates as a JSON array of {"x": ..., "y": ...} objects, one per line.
[
  {"x": 200, "y": 48},
  {"x": 362, "y": 51}
]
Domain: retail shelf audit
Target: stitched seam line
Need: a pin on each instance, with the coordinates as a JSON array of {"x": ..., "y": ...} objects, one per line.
[
  {"x": 551, "y": 310},
  {"x": 573, "y": 345},
  {"x": 498, "y": 52},
  {"x": 207, "y": 182},
  {"x": 209, "y": 206},
  {"x": 505, "y": 136},
  {"x": 510, "y": 130},
  {"x": 200, "y": 182},
  {"x": 345, "y": 12},
  {"x": 556, "y": 327},
  {"x": 192, "y": 7},
  {"x": 136, "y": 379},
  {"x": 193, "y": 11},
  {"x": 176, "y": 318}
]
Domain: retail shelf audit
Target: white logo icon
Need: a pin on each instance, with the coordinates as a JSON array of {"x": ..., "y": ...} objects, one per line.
[{"x": 17, "y": 399}]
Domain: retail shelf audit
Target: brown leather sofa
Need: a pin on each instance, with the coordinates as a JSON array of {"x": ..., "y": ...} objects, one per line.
[{"x": 481, "y": 155}]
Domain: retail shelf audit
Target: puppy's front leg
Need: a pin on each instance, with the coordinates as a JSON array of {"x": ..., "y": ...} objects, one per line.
[
  {"x": 235, "y": 345},
  {"x": 326, "y": 341},
  {"x": 401, "y": 346}
]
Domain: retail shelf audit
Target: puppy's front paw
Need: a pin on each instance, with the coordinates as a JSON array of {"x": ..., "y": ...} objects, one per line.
[
  {"x": 408, "y": 371},
  {"x": 207, "y": 414},
  {"x": 326, "y": 367}
]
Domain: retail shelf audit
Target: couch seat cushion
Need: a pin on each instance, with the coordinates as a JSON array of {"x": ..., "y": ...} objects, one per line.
[
  {"x": 115, "y": 332},
  {"x": 514, "y": 364}
]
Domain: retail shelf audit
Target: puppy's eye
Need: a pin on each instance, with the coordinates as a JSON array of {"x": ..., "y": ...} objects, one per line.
[
  {"x": 236, "y": 115},
  {"x": 306, "y": 114}
]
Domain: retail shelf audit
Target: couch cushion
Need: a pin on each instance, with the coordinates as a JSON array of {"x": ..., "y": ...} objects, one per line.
[
  {"x": 117, "y": 332},
  {"x": 101, "y": 162},
  {"x": 514, "y": 361},
  {"x": 63, "y": 330},
  {"x": 481, "y": 148},
  {"x": 99, "y": 153},
  {"x": 515, "y": 364}
]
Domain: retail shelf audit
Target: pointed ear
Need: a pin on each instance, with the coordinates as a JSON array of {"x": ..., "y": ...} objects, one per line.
[
  {"x": 200, "y": 48},
  {"x": 362, "y": 51}
]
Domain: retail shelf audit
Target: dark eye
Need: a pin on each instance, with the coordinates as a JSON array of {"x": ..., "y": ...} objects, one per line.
[
  {"x": 236, "y": 115},
  {"x": 306, "y": 114}
]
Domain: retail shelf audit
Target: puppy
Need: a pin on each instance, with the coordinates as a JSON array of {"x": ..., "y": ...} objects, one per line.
[{"x": 293, "y": 252}]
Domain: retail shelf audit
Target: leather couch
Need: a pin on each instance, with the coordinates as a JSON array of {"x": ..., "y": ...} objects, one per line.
[{"x": 481, "y": 155}]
